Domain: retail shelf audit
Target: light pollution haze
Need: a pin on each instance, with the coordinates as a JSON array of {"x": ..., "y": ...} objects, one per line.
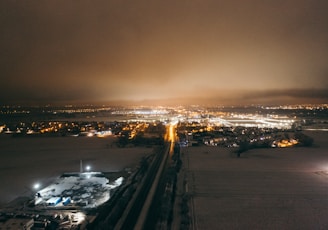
[{"x": 164, "y": 52}]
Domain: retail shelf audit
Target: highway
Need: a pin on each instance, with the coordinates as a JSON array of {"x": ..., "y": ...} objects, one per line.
[{"x": 140, "y": 215}]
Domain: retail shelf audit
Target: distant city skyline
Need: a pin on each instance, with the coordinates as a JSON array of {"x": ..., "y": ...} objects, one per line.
[{"x": 164, "y": 52}]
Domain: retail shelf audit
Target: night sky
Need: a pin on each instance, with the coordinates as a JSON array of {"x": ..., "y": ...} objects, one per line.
[{"x": 164, "y": 52}]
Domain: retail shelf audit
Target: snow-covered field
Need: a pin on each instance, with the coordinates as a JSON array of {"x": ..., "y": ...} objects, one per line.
[
  {"x": 25, "y": 161},
  {"x": 264, "y": 189}
]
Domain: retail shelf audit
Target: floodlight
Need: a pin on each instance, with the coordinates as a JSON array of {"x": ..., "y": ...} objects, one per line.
[{"x": 36, "y": 186}]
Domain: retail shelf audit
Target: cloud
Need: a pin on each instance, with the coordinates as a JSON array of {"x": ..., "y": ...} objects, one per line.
[
  {"x": 141, "y": 50},
  {"x": 293, "y": 93},
  {"x": 287, "y": 96}
]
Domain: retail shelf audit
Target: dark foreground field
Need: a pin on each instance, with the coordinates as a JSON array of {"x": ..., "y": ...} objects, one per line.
[
  {"x": 263, "y": 189},
  {"x": 27, "y": 160}
]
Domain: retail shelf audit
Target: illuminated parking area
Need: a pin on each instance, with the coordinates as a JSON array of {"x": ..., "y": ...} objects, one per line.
[
  {"x": 243, "y": 120},
  {"x": 254, "y": 121}
]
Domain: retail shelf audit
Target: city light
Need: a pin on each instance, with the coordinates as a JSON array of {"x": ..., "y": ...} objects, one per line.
[{"x": 88, "y": 168}]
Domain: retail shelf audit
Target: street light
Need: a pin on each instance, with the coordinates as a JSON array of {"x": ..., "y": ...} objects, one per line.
[
  {"x": 36, "y": 186},
  {"x": 88, "y": 167}
]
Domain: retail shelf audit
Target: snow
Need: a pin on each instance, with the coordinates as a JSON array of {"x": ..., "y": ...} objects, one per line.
[
  {"x": 88, "y": 188},
  {"x": 25, "y": 161},
  {"x": 263, "y": 189}
]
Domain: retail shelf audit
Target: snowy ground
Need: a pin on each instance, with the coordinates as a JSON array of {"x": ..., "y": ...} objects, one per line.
[
  {"x": 28, "y": 160},
  {"x": 264, "y": 189},
  {"x": 88, "y": 189}
]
